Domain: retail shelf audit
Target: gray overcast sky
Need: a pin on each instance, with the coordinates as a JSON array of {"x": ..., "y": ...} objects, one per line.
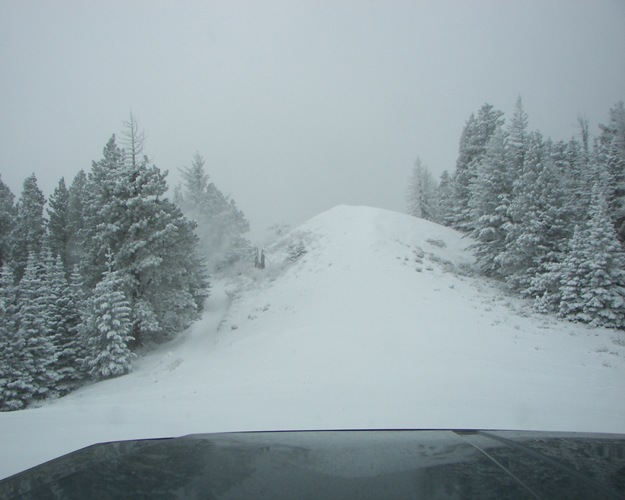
[{"x": 296, "y": 106}]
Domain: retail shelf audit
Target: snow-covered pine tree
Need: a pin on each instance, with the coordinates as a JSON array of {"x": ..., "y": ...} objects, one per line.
[
  {"x": 58, "y": 221},
  {"x": 491, "y": 192},
  {"x": 464, "y": 175},
  {"x": 29, "y": 230},
  {"x": 7, "y": 221},
  {"x": 518, "y": 137},
  {"x": 63, "y": 317},
  {"x": 74, "y": 347},
  {"x": 517, "y": 251},
  {"x": 220, "y": 224},
  {"x": 37, "y": 355},
  {"x": 537, "y": 233},
  {"x": 545, "y": 234},
  {"x": 104, "y": 205},
  {"x": 473, "y": 144},
  {"x": 10, "y": 346},
  {"x": 422, "y": 193},
  {"x": 446, "y": 198},
  {"x": 578, "y": 181},
  {"x": 191, "y": 196},
  {"x": 593, "y": 273},
  {"x": 153, "y": 246},
  {"x": 75, "y": 220},
  {"x": 561, "y": 197},
  {"x": 106, "y": 329},
  {"x": 612, "y": 152}
]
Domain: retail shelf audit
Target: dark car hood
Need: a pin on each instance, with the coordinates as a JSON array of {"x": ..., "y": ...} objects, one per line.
[{"x": 337, "y": 464}]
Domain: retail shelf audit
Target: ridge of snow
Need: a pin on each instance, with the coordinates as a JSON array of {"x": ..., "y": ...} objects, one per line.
[{"x": 380, "y": 323}]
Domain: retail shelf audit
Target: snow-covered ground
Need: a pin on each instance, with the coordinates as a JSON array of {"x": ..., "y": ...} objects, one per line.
[{"x": 379, "y": 324}]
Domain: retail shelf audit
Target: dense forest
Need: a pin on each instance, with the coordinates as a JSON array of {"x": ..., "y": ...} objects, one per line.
[
  {"x": 547, "y": 217},
  {"x": 112, "y": 267}
]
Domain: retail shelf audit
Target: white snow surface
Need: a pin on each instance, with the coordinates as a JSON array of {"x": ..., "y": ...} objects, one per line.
[{"x": 380, "y": 324}]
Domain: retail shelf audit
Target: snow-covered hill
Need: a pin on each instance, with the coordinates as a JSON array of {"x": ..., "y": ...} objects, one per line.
[{"x": 363, "y": 318}]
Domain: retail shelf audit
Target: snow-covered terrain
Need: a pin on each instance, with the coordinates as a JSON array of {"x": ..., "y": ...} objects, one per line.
[{"x": 363, "y": 318}]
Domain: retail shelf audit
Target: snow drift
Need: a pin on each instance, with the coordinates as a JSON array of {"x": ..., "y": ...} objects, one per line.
[{"x": 363, "y": 318}]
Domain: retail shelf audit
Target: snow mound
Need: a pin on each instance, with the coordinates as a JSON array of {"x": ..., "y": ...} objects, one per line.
[
  {"x": 355, "y": 267},
  {"x": 362, "y": 318}
]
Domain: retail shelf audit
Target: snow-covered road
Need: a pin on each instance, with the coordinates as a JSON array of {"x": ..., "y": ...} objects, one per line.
[{"x": 380, "y": 324}]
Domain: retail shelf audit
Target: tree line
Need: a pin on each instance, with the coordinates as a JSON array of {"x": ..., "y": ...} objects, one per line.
[
  {"x": 114, "y": 266},
  {"x": 547, "y": 217}
]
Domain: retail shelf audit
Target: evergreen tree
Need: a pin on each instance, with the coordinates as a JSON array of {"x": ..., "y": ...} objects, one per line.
[
  {"x": 578, "y": 181},
  {"x": 193, "y": 197},
  {"x": 107, "y": 329},
  {"x": 220, "y": 224},
  {"x": 74, "y": 346},
  {"x": 104, "y": 205},
  {"x": 7, "y": 221},
  {"x": 29, "y": 230},
  {"x": 10, "y": 347},
  {"x": 75, "y": 220},
  {"x": 473, "y": 144},
  {"x": 544, "y": 235},
  {"x": 612, "y": 151},
  {"x": 63, "y": 318},
  {"x": 446, "y": 198},
  {"x": 593, "y": 273},
  {"x": 36, "y": 355},
  {"x": 536, "y": 234},
  {"x": 153, "y": 245},
  {"x": 490, "y": 202},
  {"x": 58, "y": 221},
  {"x": 422, "y": 195},
  {"x": 518, "y": 137}
]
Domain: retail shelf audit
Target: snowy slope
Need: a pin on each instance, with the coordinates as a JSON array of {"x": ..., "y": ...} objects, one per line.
[{"x": 380, "y": 324}]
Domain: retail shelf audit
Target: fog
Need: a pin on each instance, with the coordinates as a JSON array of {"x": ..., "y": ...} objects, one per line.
[{"x": 296, "y": 106}]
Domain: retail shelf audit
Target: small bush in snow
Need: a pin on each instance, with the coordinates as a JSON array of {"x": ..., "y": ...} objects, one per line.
[
  {"x": 437, "y": 243},
  {"x": 295, "y": 251}
]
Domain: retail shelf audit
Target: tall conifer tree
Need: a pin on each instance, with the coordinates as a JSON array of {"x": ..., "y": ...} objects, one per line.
[
  {"x": 58, "y": 222},
  {"x": 37, "y": 355},
  {"x": 490, "y": 201},
  {"x": 422, "y": 193},
  {"x": 7, "y": 221},
  {"x": 593, "y": 274},
  {"x": 29, "y": 231},
  {"x": 473, "y": 143},
  {"x": 220, "y": 224}
]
